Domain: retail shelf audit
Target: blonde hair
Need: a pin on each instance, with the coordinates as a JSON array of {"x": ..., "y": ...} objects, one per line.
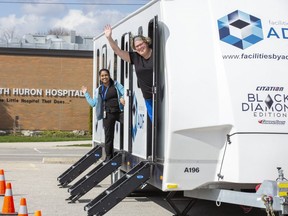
[{"x": 146, "y": 40}]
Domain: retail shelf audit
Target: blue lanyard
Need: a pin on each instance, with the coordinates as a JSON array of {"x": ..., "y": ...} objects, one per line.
[{"x": 105, "y": 93}]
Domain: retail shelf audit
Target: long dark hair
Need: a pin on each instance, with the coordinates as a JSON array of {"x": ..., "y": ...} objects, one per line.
[{"x": 107, "y": 71}]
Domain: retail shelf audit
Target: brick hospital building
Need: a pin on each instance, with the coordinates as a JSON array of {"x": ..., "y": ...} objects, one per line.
[{"x": 40, "y": 89}]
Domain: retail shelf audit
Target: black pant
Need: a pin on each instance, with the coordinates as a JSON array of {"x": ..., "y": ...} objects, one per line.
[{"x": 109, "y": 128}]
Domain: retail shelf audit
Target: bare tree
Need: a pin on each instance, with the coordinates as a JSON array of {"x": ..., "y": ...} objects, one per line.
[
  {"x": 8, "y": 34},
  {"x": 60, "y": 31}
]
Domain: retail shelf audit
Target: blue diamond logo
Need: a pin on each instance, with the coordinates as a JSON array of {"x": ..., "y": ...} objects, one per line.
[{"x": 240, "y": 29}]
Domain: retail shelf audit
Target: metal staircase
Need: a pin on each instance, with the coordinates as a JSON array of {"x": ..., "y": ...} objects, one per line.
[
  {"x": 80, "y": 166},
  {"x": 119, "y": 190},
  {"x": 95, "y": 176}
]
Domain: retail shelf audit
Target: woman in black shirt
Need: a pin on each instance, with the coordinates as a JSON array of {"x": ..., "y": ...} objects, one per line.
[
  {"x": 109, "y": 104},
  {"x": 142, "y": 60}
]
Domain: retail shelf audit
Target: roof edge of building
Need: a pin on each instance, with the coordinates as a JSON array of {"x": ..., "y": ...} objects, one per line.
[{"x": 46, "y": 52}]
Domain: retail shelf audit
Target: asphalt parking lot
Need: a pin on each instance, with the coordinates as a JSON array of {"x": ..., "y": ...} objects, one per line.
[{"x": 33, "y": 168}]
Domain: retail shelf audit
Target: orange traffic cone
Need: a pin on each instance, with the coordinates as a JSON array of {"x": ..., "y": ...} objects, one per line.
[
  {"x": 23, "y": 208},
  {"x": 2, "y": 183},
  {"x": 8, "y": 204},
  {"x": 38, "y": 213}
]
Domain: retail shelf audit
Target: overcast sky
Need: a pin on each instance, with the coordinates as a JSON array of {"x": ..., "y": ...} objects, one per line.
[{"x": 87, "y": 17}]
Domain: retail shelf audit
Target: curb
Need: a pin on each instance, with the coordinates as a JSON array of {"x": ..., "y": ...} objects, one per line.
[{"x": 60, "y": 160}]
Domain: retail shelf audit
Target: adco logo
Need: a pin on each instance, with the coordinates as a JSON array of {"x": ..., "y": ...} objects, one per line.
[{"x": 240, "y": 29}]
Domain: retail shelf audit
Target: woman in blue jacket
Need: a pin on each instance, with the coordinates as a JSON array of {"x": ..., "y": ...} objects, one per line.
[{"x": 109, "y": 102}]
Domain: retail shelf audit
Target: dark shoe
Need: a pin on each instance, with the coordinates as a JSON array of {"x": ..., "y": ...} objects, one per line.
[{"x": 107, "y": 159}]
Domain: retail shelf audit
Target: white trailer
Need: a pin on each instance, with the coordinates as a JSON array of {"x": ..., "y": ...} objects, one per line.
[{"x": 220, "y": 125}]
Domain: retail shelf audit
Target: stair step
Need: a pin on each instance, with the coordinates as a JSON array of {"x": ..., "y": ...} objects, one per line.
[
  {"x": 80, "y": 166},
  {"x": 128, "y": 183}
]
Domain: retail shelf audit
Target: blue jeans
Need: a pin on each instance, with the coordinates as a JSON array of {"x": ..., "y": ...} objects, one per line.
[{"x": 149, "y": 107}]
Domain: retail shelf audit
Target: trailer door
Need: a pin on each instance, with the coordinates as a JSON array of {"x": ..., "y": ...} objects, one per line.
[
  {"x": 154, "y": 34},
  {"x": 128, "y": 87}
]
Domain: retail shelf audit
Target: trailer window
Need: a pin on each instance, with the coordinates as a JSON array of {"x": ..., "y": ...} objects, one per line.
[
  {"x": 115, "y": 64},
  {"x": 126, "y": 63},
  {"x": 140, "y": 30},
  {"x": 104, "y": 56},
  {"x": 150, "y": 32},
  {"x": 97, "y": 67}
]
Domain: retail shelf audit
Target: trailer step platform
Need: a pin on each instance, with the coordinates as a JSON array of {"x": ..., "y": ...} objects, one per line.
[
  {"x": 80, "y": 166},
  {"x": 94, "y": 177},
  {"x": 119, "y": 190}
]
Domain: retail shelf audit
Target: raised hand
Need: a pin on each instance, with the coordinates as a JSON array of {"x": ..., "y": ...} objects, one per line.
[
  {"x": 84, "y": 89},
  {"x": 108, "y": 31}
]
